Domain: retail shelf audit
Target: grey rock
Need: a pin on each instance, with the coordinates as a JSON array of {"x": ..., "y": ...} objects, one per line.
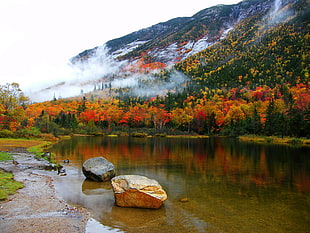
[{"x": 98, "y": 169}]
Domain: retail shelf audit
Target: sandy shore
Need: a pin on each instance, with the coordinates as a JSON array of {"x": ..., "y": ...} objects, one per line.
[{"x": 36, "y": 207}]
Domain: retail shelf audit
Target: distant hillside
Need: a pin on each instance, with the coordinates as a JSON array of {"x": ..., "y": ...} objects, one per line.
[{"x": 261, "y": 50}]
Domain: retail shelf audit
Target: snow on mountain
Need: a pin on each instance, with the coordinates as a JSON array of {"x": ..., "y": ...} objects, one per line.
[{"x": 127, "y": 48}]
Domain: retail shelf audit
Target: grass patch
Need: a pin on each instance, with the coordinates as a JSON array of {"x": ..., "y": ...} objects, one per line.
[
  {"x": 5, "y": 156},
  {"x": 65, "y": 137},
  {"x": 295, "y": 141},
  {"x": 34, "y": 146},
  {"x": 275, "y": 140},
  {"x": 39, "y": 149},
  {"x": 7, "y": 144},
  {"x": 139, "y": 135},
  {"x": 8, "y": 185},
  {"x": 187, "y": 136},
  {"x": 160, "y": 135}
]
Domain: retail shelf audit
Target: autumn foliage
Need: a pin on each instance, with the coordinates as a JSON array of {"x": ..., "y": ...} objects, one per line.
[{"x": 281, "y": 111}]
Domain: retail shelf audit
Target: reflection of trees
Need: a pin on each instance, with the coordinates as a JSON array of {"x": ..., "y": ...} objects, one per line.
[{"x": 237, "y": 163}]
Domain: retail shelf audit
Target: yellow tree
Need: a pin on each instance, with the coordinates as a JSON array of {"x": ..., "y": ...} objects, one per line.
[
  {"x": 234, "y": 114},
  {"x": 183, "y": 117},
  {"x": 11, "y": 110},
  {"x": 113, "y": 114}
]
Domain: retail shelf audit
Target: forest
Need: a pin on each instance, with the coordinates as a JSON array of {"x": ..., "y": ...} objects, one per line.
[{"x": 281, "y": 111}]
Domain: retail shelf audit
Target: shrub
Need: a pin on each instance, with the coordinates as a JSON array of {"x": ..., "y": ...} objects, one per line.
[
  {"x": 28, "y": 133},
  {"x": 295, "y": 141},
  {"x": 139, "y": 135},
  {"x": 48, "y": 137},
  {"x": 161, "y": 135},
  {"x": 5, "y": 133},
  {"x": 269, "y": 139}
]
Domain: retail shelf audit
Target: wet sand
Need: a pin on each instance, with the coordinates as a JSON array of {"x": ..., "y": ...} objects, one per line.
[{"x": 36, "y": 207}]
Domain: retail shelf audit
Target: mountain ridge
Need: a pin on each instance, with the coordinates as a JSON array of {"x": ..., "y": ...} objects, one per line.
[
  {"x": 140, "y": 59},
  {"x": 209, "y": 23}
]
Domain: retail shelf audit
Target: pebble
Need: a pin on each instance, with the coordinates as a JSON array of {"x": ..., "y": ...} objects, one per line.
[{"x": 184, "y": 199}]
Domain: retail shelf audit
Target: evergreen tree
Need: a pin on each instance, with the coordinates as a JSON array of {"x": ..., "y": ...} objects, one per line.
[
  {"x": 296, "y": 122},
  {"x": 272, "y": 117}
]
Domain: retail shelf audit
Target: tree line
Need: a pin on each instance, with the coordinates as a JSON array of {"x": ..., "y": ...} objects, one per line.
[{"x": 282, "y": 111}]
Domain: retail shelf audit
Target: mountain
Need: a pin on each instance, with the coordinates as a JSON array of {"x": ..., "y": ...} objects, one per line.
[
  {"x": 254, "y": 42},
  {"x": 179, "y": 38}
]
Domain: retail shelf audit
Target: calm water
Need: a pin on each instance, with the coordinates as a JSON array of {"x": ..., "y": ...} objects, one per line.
[{"x": 231, "y": 186}]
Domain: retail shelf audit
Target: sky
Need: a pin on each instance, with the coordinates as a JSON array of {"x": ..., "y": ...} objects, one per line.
[{"x": 38, "y": 37}]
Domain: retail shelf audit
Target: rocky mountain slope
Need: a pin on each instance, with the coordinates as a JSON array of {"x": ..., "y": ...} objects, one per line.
[{"x": 179, "y": 38}]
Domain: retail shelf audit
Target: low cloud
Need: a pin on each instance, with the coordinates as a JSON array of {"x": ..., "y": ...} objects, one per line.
[
  {"x": 150, "y": 84},
  {"x": 98, "y": 71},
  {"x": 70, "y": 79},
  {"x": 279, "y": 13}
]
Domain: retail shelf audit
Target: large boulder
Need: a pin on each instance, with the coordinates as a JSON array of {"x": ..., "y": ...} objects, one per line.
[
  {"x": 98, "y": 169},
  {"x": 137, "y": 191}
]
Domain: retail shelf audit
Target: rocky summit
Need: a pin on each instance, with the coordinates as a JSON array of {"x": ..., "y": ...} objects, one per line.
[{"x": 138, "y": 191}]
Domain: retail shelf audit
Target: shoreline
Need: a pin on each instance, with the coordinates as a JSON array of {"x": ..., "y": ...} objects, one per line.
[
  {"x": 37, "y": 207},
  {"x": 274, "y": 140}
]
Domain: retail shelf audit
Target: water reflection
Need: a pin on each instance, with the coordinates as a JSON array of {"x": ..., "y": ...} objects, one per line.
[
  {"x": 231, "y": 186},
  {"x": 95, "y": 188}
]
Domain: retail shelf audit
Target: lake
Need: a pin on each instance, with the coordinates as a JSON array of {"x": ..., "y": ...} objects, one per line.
[{"x": 230, "y": 186}]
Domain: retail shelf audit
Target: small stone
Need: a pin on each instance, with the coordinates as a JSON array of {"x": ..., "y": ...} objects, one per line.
[{"x": 184, "y": 199}]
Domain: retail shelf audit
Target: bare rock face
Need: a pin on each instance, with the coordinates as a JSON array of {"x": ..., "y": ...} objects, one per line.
[
  {"x": 137, "y": 191},
  {"x": 98, "y": 169}
]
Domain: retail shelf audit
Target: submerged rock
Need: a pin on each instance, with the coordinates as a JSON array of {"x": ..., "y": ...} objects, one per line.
[
  {"x": 98, "y": 169},
  {"x": 137, "y": 191},
  {"x": 185, "y": 199}
]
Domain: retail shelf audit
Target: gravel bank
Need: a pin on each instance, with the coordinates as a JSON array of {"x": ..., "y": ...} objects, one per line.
[{"x": 36, "y": 207}]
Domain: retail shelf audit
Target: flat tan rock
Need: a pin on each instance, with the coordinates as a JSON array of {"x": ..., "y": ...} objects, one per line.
[{"x": 138, "y": 191}]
